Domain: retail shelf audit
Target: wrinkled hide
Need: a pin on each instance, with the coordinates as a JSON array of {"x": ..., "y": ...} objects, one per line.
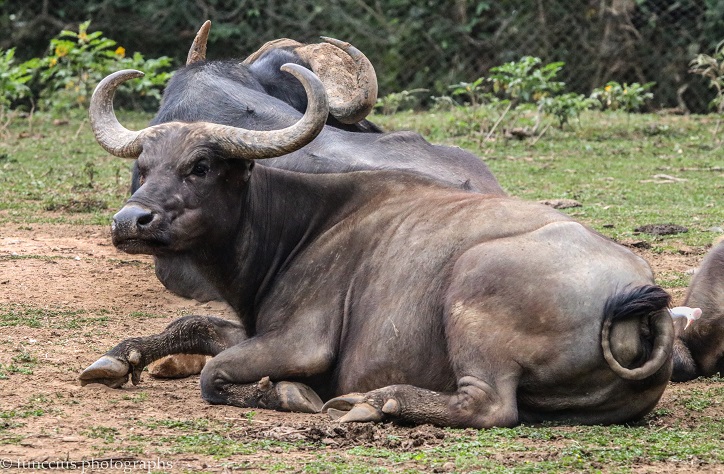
[
  {"x": 439, "y": 306},
  {"x": 258, "y": 96},
  {"x": 383, "y": 294}
]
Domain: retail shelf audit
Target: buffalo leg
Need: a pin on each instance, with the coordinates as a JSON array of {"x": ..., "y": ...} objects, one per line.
[
  {"x": 204, "y": 335},
  {"x": 232, "y": 377},
  {"x": 475, "y": 404}
]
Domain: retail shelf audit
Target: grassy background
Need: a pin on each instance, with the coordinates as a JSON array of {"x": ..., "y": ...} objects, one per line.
[
  {"x": 608, "y": 162},
  {"x": 56, "y": 173}
]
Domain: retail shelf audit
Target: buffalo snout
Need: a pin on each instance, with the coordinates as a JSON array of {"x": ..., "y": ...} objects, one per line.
[{"x": 132, "y": 224}]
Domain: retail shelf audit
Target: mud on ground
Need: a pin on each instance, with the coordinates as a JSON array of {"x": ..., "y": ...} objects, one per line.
[{"x": 73, "y": 296}]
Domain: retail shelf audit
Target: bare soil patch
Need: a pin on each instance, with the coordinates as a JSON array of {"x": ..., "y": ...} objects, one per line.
[{"x": 82, "y": 297}]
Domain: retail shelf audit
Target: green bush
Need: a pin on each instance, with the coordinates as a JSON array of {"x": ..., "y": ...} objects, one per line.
[
  {"x": 712, "y": 68},
  {"x": 77, "y": 61},
  {"x": 521, "y": 87},
  {"x": 626, "y": 97},
  {"x": 526, "y": 80},
  {"x": 568, "y": 106},
  {"x": 14, "y": 78}
]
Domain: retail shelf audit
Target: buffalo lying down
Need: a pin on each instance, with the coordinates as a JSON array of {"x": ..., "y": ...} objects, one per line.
[
  {"x": 420, "y": 302},
  {"x": 254, "y": 94},
  {"x": 699, "y": 349}
]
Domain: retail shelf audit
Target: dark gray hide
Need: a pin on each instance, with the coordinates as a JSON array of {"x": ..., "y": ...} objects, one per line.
[
  {"x": 261, "y": 97},
  {"x": 428, "y": 304},
  {"x": 699, "y": 350}
]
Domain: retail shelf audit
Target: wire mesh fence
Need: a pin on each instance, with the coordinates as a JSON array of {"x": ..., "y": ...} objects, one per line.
[
  {"x": 428, "y": 44},
  {"x": 599, "y": 41}
]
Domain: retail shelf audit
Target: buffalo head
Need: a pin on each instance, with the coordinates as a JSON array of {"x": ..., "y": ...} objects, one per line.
[
  {"x": 190, "y": 165},
  {"x": 348, "y": 76}
]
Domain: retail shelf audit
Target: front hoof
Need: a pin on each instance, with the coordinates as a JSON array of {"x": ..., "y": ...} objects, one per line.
[
  {"x": 106, "y": 370},
  {"x": 353, "y": 408},
  {"x": 298, "y": 397}
]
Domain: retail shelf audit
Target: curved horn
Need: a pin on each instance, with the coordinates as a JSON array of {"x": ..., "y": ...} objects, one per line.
[
  {"x": 348, "y": 76},
  {"x": 198, "y": 47},
  {"x": 110, "y": 134},
  {"x": 350, "y": 103},
  {"x": 280, "y": 43},
  {"x": 258, "y": 144},
  {"x": 237, "y": 142}
]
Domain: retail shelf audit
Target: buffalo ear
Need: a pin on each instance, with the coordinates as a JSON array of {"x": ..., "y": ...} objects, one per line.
[{"x": 248, "y": 166}]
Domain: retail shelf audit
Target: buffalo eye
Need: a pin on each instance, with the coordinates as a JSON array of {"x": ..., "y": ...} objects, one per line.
[{"x": 201, "y": 168}]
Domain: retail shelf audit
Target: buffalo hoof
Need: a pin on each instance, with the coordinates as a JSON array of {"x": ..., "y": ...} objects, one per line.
[
  {"x": 294, "y": 396},
  {"x": 360, "y": 408},
  {"x": 106, "y": 370}
]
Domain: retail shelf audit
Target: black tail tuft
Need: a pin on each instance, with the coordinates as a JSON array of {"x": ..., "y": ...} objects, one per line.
[
  {"x": 640, "y": 302},
  {"x": 644, "y": 299}
]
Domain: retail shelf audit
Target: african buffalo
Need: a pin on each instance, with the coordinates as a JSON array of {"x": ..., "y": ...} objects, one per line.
[
  {"x": 422, "y": 303},
  {"x": 256, "y": 95},
  {"x": 699, "y": 349}
]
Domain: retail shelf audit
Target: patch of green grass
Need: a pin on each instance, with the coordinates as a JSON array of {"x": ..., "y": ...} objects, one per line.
[
  {"x": 543, "y": 449},
  {"x": 77, "y": 205},
  {"x": 616, "y": 165},
  {"x": 671, "y": 279},
  {"x": 47, "y": 258},
  {"x": 22, "y": 363},
  {"x": 137, "y": 398},
  {"x": 25, "y": 358},
  {"x": 17, "y": 314},
  {"x": 182, "y": 425},
  {"x": 10, "y": 438},
  {"x": 698, "y": 400},
  {"x": 37, "y": 405},
  {"x": 145, "y": 315},
  {"x": 523, "y": 449},
  {"x": 213, "y": 438},
  {"x": 21, "y": 413},
  {"x": 53, "y": 175},
  {"x": 7, "y": 370},
  {"x": 106, "y": 433},
  {"x": 565, "y": 449}
]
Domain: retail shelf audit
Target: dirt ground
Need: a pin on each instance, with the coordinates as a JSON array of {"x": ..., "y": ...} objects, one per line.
[{"x": 85, "y": 297}]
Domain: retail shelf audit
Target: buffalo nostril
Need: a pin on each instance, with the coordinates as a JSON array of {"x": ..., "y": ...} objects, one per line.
[
  {"x": 145, "y": 219},
  {"x": 132, "y": 218}
]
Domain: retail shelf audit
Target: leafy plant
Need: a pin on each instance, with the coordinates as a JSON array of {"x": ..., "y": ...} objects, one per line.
[
  {"x": 526, "y": 80},
  {"x": 566, "y": 106},
  {"x": 14, "y": 78},
  {"x": 626, "y": 97},
  {"x": 77, "y": 61},
  {"x": 474, "y": 91},
  {"x": 399, "y": 101},
  {"x": 712, "y": 67}
]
